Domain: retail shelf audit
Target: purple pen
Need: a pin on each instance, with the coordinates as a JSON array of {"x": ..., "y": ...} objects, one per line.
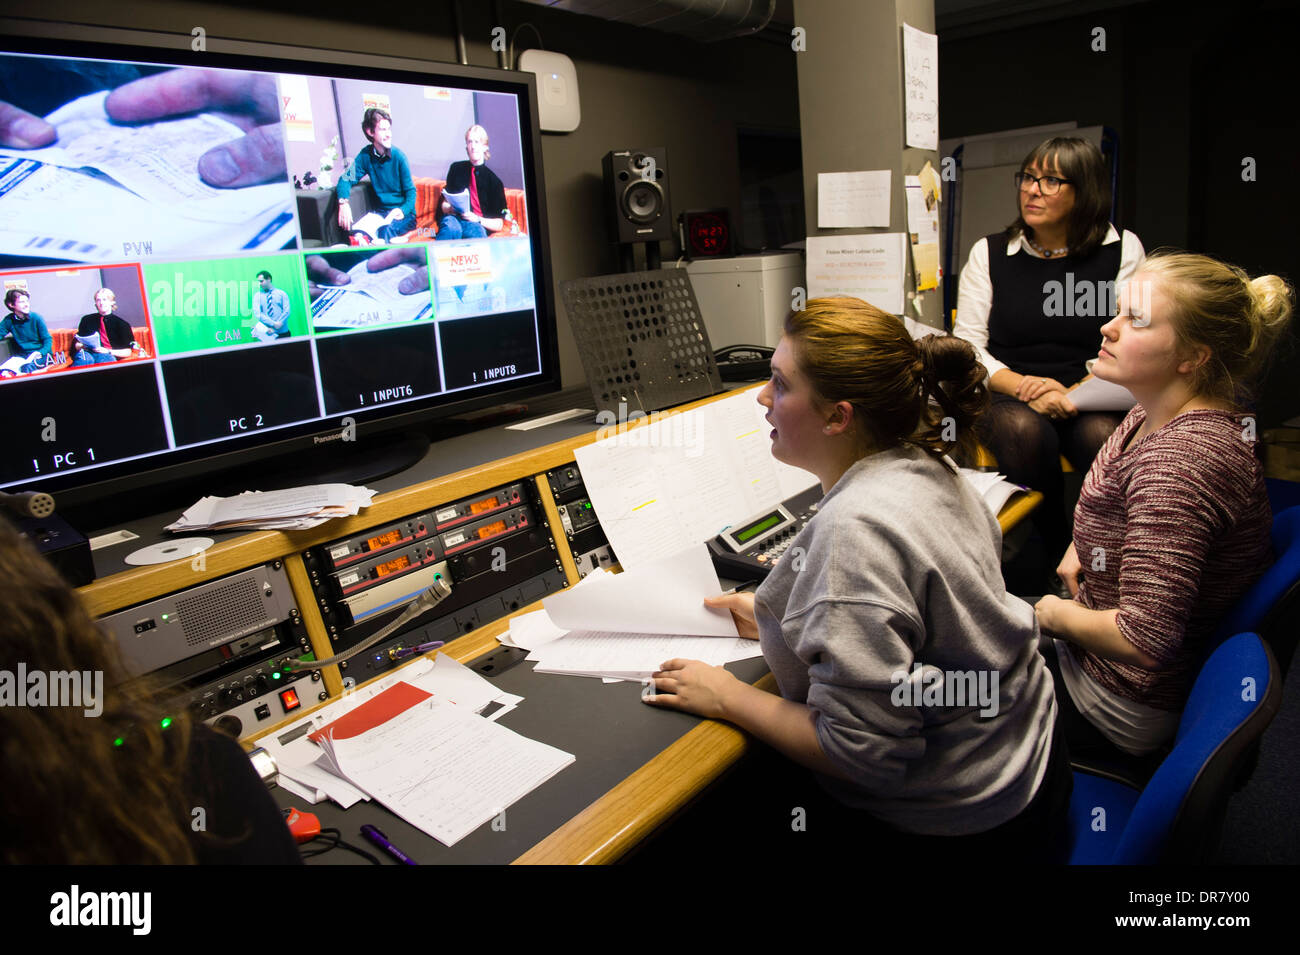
[
  {"x": 379, "y": 839},
  {"x": 401, "y": 653}
]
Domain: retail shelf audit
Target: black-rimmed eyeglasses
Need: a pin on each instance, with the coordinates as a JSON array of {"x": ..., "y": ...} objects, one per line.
[{"x": 1047, "y": 185}]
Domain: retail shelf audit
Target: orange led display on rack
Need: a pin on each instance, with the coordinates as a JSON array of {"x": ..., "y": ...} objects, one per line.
[
  {"x": 383, "y": 540},
  {"x": 393, "y": 566}
]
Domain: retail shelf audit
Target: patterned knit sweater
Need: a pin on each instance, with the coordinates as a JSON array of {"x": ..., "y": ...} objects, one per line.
[{"x": 1172, "y": 531}]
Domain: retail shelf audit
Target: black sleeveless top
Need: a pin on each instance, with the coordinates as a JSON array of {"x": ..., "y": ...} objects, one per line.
[{"x": 1046, "y": 316}]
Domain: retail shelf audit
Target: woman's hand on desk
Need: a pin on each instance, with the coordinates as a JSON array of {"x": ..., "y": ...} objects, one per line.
[
  {"x": 742, "y": 611},
  {"x": 712, "y": 692},
  {"x": 694, "y": 687}
]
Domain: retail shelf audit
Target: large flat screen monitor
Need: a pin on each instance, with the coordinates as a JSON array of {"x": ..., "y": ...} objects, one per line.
[{"x": 216, "y": 256}]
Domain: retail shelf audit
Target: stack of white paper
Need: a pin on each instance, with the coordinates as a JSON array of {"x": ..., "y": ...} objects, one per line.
[
  {"x": 305, "y": 773},
  {"x": 439, "y": 766},
  {"x": 626, "y": 626},
  {"x": 634, "y": 656},
  {"x": 1096, "y": 394},
  {"x": 295, "y": 508},
  {"x": 371, "y": 298},
  {"x": 686, "y": 477}
]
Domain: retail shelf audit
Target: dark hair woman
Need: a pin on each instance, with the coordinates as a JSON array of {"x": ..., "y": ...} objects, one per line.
[
  {"x": 1031, "y": 300},
  {"x": 111, "y": 777},
  {"x": 886, "y": 602}
]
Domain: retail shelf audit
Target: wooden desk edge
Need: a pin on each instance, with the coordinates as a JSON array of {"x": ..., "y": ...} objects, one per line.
[
  {"x": 608, "y": 828},
  {"x": 1018, "y": 508}
]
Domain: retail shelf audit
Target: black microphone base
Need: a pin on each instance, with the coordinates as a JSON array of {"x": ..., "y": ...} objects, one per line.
[{"x": 61, "y": 544}]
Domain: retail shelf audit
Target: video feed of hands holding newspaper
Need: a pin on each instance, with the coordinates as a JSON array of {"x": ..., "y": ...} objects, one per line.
[{"x": 191, "y": 255}]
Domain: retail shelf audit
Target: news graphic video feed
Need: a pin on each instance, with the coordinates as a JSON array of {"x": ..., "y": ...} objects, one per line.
[{"x": 192, "y": 258}]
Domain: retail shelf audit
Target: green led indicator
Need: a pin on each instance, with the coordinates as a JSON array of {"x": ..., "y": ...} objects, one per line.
[
  {"x": 166, "y": 722},
  {"x": 275, "y": 676},
  {"x": 118, "y": 741}
]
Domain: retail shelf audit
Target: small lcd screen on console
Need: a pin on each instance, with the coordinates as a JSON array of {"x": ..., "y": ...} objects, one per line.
[{"x": 747, "y": 534}]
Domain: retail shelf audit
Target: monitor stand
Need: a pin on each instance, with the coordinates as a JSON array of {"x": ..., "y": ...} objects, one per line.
[{"x": 364, "y": 461}]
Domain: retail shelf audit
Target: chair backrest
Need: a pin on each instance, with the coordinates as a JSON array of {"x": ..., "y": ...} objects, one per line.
[
  {"x": 1180, "y": 812},
  {"x": 1264, "y": 605}
]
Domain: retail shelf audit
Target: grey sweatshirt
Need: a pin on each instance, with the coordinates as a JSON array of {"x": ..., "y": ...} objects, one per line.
[{"x": 895, "y": 580}]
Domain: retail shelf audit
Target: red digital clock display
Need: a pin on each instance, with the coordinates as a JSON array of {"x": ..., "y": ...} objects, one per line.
[{"x": 708, "y": 233}]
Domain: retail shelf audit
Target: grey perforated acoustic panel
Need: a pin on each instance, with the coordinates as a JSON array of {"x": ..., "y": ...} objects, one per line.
[{"x": 641, "y": 339}]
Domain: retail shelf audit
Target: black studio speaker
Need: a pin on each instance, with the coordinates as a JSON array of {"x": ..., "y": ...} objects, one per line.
[{"x": 636, "y": 194}]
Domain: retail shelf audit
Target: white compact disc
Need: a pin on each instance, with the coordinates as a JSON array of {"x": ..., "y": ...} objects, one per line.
[{"x": 179, "y": 549}]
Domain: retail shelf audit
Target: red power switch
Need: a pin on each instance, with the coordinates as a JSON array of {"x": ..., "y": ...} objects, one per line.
[{"x": 289, "y": 699}]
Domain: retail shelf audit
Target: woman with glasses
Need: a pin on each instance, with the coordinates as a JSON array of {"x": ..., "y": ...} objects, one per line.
[{"x": 1031, "y": 300}]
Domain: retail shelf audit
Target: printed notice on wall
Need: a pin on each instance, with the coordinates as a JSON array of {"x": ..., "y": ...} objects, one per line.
[
  {"x": 921, "y": 87},
  {"x": 853, "y": 200},
  {"x": 869, "y": 267}
]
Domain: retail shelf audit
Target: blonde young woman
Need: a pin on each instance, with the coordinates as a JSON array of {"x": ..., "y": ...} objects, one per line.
[{"x": 1172, "y": 525}]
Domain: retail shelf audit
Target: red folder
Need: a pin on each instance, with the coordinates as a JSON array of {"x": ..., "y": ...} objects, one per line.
[{"x": 397, "y": 699}]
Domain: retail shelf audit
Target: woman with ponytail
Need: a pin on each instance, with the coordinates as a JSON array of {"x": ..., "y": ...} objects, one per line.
[
  {"x": 887, "y": 616},
  {"x": 1172, "y": 525}
]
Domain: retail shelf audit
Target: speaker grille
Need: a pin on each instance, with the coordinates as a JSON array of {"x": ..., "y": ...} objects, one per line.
[
  {"x": 642, "y": 339},
  {"x": 220, "y": 612},
  {"x": 638, "y": 195},
  {"x": 643, "y": 202}
]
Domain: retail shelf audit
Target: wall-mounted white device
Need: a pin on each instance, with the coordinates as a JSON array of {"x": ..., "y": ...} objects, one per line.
[{"x": 557, "y": 89}]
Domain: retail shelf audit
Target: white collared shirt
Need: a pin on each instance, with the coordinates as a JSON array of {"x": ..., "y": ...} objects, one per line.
[{"x": 975, "y": 289}]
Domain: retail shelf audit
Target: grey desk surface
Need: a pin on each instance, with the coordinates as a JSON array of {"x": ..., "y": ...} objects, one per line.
[{"x": 604, "y": 725}]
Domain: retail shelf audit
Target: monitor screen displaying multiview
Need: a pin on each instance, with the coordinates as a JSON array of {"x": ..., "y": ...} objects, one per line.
[{"x": 199, "y": 260}]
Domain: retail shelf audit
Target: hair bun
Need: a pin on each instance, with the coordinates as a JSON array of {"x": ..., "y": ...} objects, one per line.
[
  {"x": 954, "y": 377},
  {"x": 1273, "y": 299}
]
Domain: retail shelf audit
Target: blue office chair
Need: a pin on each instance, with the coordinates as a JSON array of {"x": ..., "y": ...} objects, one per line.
[
  {"x": 1267, "y": 608},
  {"x": 1178, "y": 815}
]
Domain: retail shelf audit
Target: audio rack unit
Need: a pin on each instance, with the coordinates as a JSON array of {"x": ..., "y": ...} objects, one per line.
[
  {"x": 587, "y": 540},
  {"x": 223, "y": 649},
  {"x": 494, "y": 548}
]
